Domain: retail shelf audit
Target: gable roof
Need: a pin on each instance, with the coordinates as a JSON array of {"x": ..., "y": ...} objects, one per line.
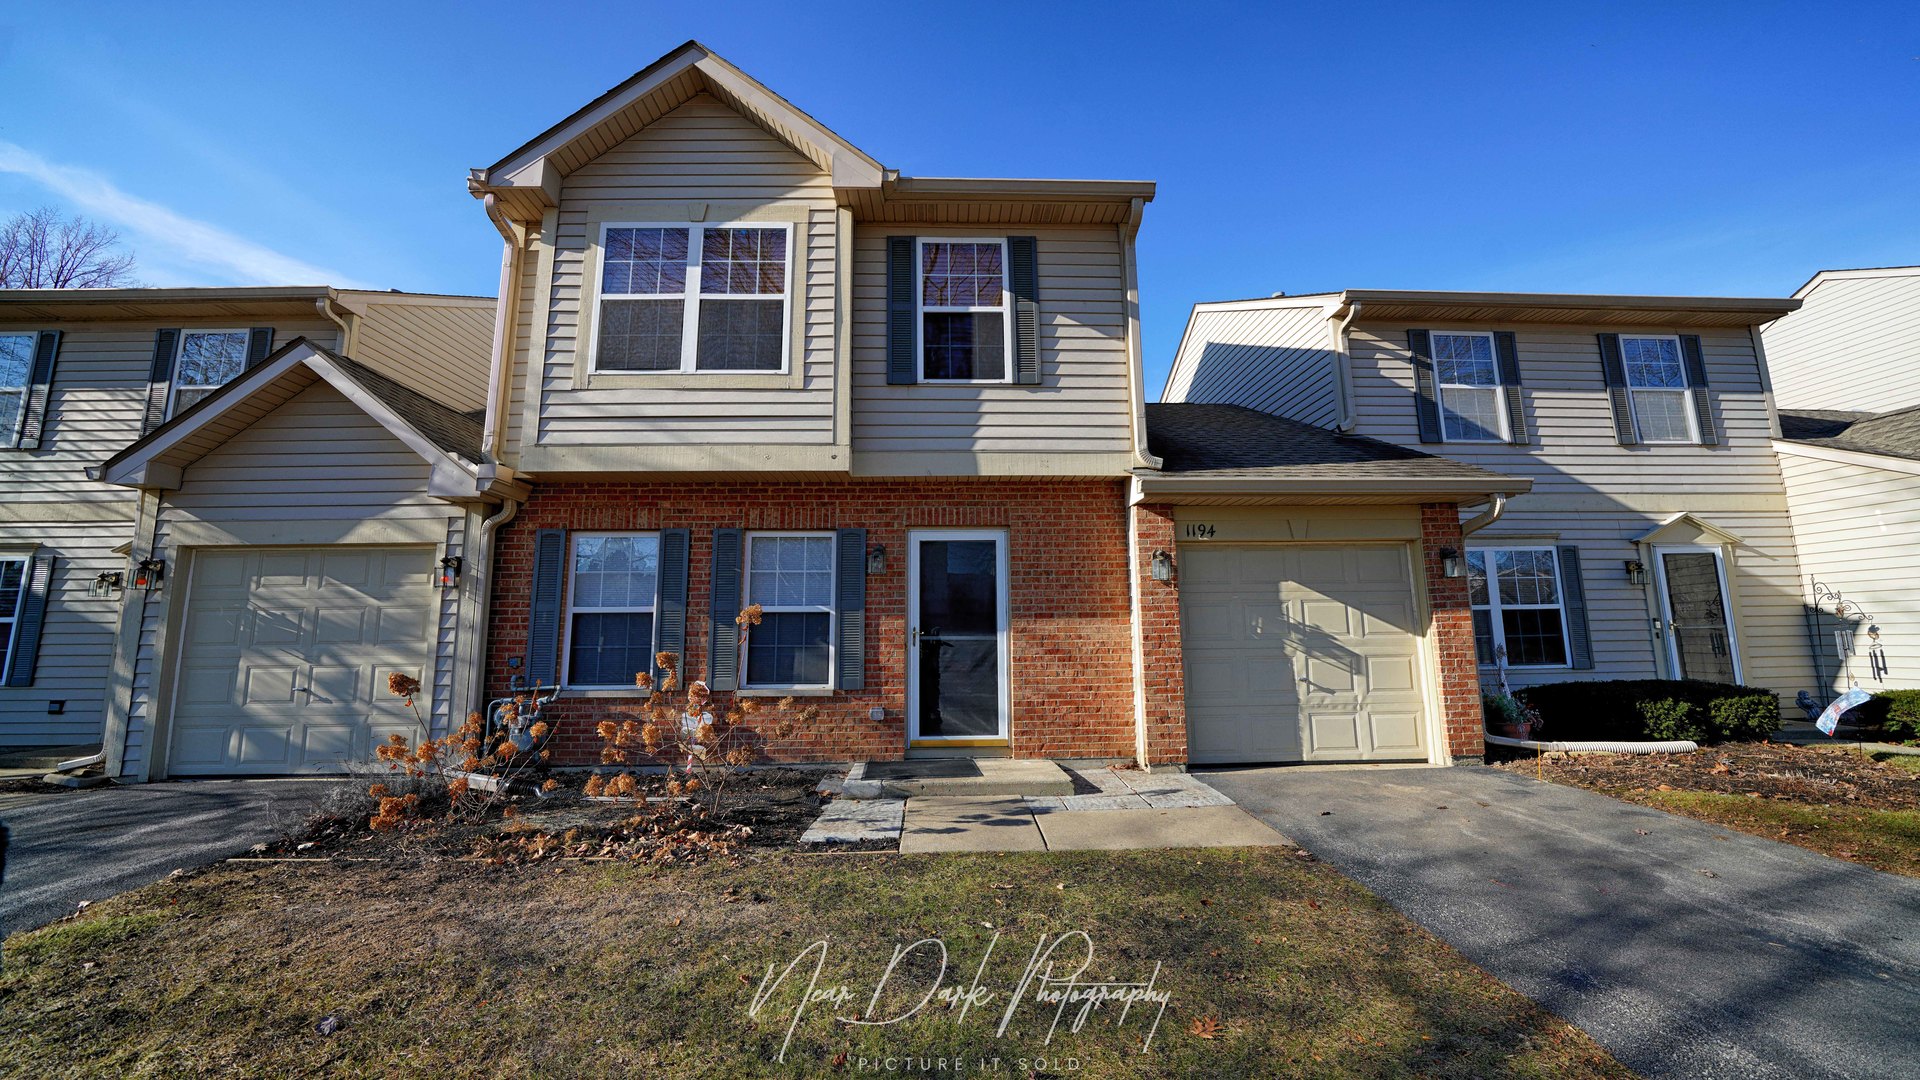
[
  {"x": 1825, "y": 276},
  {"x": 1233, "y": 450},
  {"x": 444, "y": 437},
  {"x": 1893, "y": 434}
]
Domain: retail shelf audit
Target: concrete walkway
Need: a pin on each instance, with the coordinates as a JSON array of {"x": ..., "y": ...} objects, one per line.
[
  {"x": 1685, "y": 949},
  {"x": 89, "y": 845}
]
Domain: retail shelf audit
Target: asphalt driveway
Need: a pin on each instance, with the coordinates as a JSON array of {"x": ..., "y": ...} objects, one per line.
[
  {"x": 88, "y": 845},
  {"x": 1687, "y": 950}
]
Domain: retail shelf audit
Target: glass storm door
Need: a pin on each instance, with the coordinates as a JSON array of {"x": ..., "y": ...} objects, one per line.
[
  {"x": 1699, "y": 635},
  {"x": 957, "y": 636}
]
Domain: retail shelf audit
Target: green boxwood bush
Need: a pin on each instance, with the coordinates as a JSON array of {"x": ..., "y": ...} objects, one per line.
[
  {"x": 1895, "y": 712},
  {"x": 1635, "y": 710}
]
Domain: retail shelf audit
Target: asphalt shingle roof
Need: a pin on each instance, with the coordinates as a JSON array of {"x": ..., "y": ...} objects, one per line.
[
  {"x": 454, "y": 431},
  {"x": 1196, "y": 440},
  {"x": 1894, "y": 434}
]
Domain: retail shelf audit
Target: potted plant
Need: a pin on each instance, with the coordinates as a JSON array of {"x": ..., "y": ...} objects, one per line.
[{"x": 1510, "y": 717}]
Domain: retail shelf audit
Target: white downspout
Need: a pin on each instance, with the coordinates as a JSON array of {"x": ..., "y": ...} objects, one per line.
[
  {"x": 483, "y": 564},
  {"x": 1136, "y": 376},
  {"x": 325, "y": 304},
  {"x": 1485, "y": 517},
  {"x": 1343, "y": 369},
  {"x": 505, "y": 307}
]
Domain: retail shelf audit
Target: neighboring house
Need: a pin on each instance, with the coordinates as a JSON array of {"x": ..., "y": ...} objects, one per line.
[
  {"x": 114, "y": 370},
  {"x": 1847, "y": 379},
  {"x": 1655, "y": 541}
]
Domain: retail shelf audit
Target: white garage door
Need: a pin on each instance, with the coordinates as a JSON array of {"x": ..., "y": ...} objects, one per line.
[
  {"x": 285, "y": 655},
  {"x": 1300, "y": 653}
]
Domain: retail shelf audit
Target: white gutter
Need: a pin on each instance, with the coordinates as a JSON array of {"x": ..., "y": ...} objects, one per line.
[
  {"x": 1343, "y": 370},
  {"x": 1485, "y": 517},
  {"x": 500, "y": 367},
  {"x": 1136, "y": 376},
  {"x": 483, "y": 564},
  {"x": 325, "y": 304}
]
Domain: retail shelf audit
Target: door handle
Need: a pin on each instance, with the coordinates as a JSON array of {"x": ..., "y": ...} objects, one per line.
[{"x": 913, "y": 638}]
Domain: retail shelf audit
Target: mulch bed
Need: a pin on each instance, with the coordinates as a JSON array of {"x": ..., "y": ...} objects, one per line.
[{"x": 1816, "y": 775}]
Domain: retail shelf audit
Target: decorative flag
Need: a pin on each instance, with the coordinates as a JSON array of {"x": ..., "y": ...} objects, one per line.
[{"x": 1831, "y": 718}]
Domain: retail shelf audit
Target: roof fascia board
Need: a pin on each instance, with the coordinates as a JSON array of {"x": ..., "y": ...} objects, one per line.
[
  {"x": 1862, "y": 458},
  {"x": 1769, "y": 307},
  {"x": 1173, "y": 485},
  {"x": 140, "y": 464}
]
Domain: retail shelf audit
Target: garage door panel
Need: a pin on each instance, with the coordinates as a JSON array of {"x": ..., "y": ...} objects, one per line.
[
  {"x": 1395, "y": 729},
  {"x": 1328, "y": 617},
  {"x": 287, "y": 656},
  {"x": 1387, "y": 620},
  {"x": 1386, "y": 674},
  {"x": 1334, "y": 732}
]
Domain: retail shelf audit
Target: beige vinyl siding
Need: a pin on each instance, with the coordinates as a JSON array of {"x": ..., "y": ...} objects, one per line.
[
  {"x": 1854, "y": 344},
  {"x": 1083, "y": 402},
  {"x": 1590, "y": 491},
  {"x": 1858, "y": 530},
  {"x": 699, "y": 156},
  {"x": 47, "y": 503},
  {"x": 1278, "y": 359},
  {"x": 442, "y": 349},
  {"x": 316, "y": 470}
]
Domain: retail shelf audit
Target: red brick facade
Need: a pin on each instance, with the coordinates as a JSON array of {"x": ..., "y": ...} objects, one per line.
[
  {"x": 1163, "y": 672},
  {"x": 1452, "y": 637},
  {"x": 1070, "y": 618}
]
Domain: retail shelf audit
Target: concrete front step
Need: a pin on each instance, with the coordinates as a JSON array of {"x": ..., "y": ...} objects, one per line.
[{"x": 941, "y": 777}]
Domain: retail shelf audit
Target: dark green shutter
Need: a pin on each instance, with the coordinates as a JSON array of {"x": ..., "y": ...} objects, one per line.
[
  {"x": 670, "y": 602},
  {"x": 1023, "y": 279},
  {"x": 903, "y": 367},
  {"x": 1618, "y": 396},
  {"x": 1507, "y": 351},
  {"x": 159, "y": 379},
  {"x": 259, "y": 345},
  {"x": 1697, "y": 392},
  {"x": 33, "y": 616},
  {"x": 723, "y": 650},
  {"x": 1573, "y": 594},
  {"x": 543, "y": 610},
  {"x": 1426, "y": 402},
  {"x": 33, "y": 415},
  {"x": 850, "y": 609}
]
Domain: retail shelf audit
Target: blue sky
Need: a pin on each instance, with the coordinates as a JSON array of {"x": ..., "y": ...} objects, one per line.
[{"x": 1698, "y": 148}]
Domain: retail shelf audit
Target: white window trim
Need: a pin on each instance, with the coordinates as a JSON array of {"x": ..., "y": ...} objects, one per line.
[
  {"x": 1005, "y": 308},
  {"x": 566, "y": 651},
  {"x": 1660, "y": 552},
  {"x": 12, "y": 618},
  {"x": 12, "y": 435},
  {"x": 1494, "y": 607},
  {"x": 180, "y": 352},
  {"x": 1685, "y": 390},
  {"x": 832, "y": 610},
  {"x": 1498, "y": 388},
  {"x": 691, "y": 295}
]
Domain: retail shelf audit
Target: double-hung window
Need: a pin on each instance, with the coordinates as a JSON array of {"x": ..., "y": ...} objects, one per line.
[
  {"x": 612, "y": 584},
  {"x": 209, "y": 359},
  {"x": 1517, "y": 606},
  {"x": 965, "y": 333},
  {"x": 1468, "y": 380},
  {"x": 791, "y": 577},
  {"x": 16, "y": 367},
  {"x": 1657, "y": 383},
  {"x": 13, "y": 577},
  {"x": 694, "y": 298}
]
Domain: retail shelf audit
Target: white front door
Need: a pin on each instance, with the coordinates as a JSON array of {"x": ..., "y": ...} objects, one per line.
[
  {"x": 957, "y": 679},
  {"x": 1699, "y": 622}
]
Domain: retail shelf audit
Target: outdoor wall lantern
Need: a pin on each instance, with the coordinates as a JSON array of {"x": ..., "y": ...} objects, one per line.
[
  {"x": 148, "y": 572},
  {"x": 1162, "y": 565},
  {"x": 1636, "y": 572},
  {"x": 876, "y": 560},
  {"x": 450, "y": 571},
  {"x": 106, "y": 585},
  {"x": 1450, "y": 565}
]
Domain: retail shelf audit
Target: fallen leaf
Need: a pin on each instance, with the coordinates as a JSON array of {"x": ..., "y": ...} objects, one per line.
[
  {"x": 327, "y": 1025},
  {"x": 1205, "y": 1027}
]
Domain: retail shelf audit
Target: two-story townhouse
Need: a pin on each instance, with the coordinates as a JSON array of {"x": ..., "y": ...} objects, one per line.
[
  {"x": 748, "y": 365},
  {"x": 1846, "y": 369},
  {"x": 106, "y": 558},
  {"x": 1655, "y": 540}
]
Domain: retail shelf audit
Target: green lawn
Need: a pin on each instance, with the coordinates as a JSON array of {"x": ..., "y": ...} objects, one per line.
[
  {"x": 1271, "y": 963},
  {"x": 1883, "y": 839}
]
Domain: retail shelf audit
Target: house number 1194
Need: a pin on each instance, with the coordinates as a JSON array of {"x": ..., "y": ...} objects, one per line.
[{"x": 1197, "y": 530}]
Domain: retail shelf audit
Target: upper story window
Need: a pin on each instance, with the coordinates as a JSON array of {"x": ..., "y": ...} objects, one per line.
[
  {"x": 612, "y": 585},
  {"x": 1657, "y": 383},
  {"x": 13, "y": 577},
  {"x": 209, "y": 359},
  {"x": 1517, "y": 606},
  {"x": 791, "y": 578},
  {"x": 16, "y": 366},
  {"x": 693, "y": 298},
  {"x": 965, "y": 334},
  {"x": 1467, "y": 378}
]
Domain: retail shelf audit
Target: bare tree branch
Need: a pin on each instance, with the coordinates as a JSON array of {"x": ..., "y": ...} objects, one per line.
[{"x": 39, "y": 250}]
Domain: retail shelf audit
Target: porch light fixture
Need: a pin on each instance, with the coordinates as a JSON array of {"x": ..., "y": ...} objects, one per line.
[
  {"x": 148, "y": 573},
  {"x": 106, "y": 585},
  {"x": 1450, "y": 565},
  {"x": 1162, "y": 565},
  {"x": 1636, "y": 572},
  {"x": 450, "y": 571},
  {"x": 876, "y": 560}
]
